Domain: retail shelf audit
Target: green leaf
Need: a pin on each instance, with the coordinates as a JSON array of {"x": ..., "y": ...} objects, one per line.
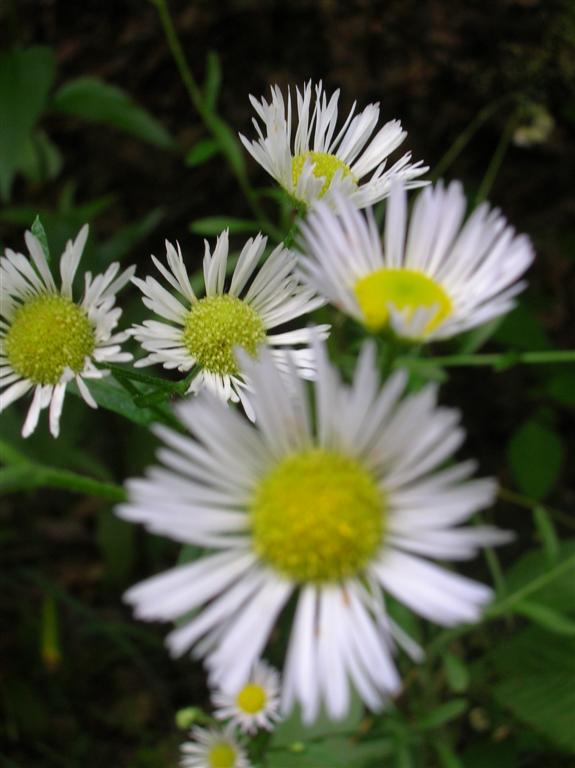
[
  {"x": 41, "y": 159},
  {"x": 546, "y": 617},
  {"x": 40, "y": 233},
  {"x": 213, "y": 225},
  {"x": 202, "y": 152},
  {"x": 26, "y": 76},
  {"x": 109, "y": 394},
  {"x": 456, "y": 672},
  {"x": 213, "y": 80},
  {"x": 536, "y": 672},
  {"x": 446, "y": 756},
  {"x": 116, "y": 541},
  {"x": 535, "y": 455},
  {"x": 547, "y": 533},
  {"x": 443, "y": 714},
  {"x": 333, "y": 752},
  {"x": 521, "y": 329},
  {"x": 561, "y": 387},
  {"x": 230, "y": 146},
  {"x": 98, "y": 102}
]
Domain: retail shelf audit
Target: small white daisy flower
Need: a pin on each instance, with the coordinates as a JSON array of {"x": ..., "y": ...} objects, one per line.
[
  {"x": 204, "y": 332},
  {"x": 47, "y": 339},
  {"x": 255, "y": 704},
  {"x": 440, "y": 278},
  {"x": 211, "y": 748},
  {"x": 316, "y": 161},
  {"x": 335, "y": 515}
]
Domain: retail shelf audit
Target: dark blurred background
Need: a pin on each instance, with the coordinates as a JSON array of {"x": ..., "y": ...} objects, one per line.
[{"x": 82, "y": 684}]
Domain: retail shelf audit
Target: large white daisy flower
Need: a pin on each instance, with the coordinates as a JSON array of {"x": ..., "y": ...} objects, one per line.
[
  {"x": 334, "y": 516},
  {"x": 433, "y": 281},
  {"x": 211, "y": 748},
  {"x": 316, "y": 161},
  {"x": 255, "y": 704},
  {"x": 46, "y": 338},
  {"x": 203, "y": 333}
]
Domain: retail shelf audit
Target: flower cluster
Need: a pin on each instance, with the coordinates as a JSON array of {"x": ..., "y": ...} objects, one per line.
[{"x": 330, "y": 498}]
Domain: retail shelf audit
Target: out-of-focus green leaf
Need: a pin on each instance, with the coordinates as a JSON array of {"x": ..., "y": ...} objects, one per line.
[
  {"x": 446, "y": 756},
  {"x": 124, "y": 241},
  {"x": 537, "y": 670},
  {"x": 98, "y": 102},
  {"x": 547, "y": 533},
  {"x": 213, "y": 79},
  {"x": 213, "y": 225},
  {"x": 229, "y": 144},
  {"x": 26, "y": 76},
  {"x": 473, "y": 340},
  {"x": 41, "y": 159},
  {"x": 443, "y": 714},
  {"x": 521, "y": 329},
  {"x": 116, "y": 542},
  {"x": 202, "y": 152},
  {"x": 546, "y": 617},
  {"x": 561, "y": 387},
  {"x": 560, "y": 593},
  {"x": 40, "y": 233},
  {"x": 535, "y": 455},
  {"x": 456, "y": 672},
  {"x": 333, "y": 752}
]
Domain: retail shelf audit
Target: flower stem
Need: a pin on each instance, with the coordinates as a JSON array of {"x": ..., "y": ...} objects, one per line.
[{"x": 498, "y": 361}]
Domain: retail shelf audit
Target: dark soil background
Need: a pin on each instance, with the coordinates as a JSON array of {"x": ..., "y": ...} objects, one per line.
[{"x": 109, "y": 693}]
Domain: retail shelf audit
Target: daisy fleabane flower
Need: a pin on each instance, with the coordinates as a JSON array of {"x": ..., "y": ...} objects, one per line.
[
  {"x": 329, "y": 515},
  {"x": 47, "y": 339},
  {"x": 430, "y": 280},
  {"x": 310, "y": 160},
  {"x": 212, "y": 748},
  {"x": 203, "y": 333},
  {"x": 255, "y": 704}
]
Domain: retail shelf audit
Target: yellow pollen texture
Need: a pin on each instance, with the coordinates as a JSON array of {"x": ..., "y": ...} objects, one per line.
[
  {"x": 217, "y": 324},
  {"x": 222, "y": 755},
  {"x": 407, "y": 290},
  {"x": 251, "y": 699},
  {"x": 317, "y": 516},
  {"x": 325, "y": 167},
  {"x": 47, "y": 334}
]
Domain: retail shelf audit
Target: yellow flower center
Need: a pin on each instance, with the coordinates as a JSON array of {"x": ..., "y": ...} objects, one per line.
[
  {"x": 217, "y": 324},
  {"x": 251, "y": 699},
  {"x": 317, "y": 516},
  {"x": 222, "y": 755},
  {"x": 407, "y": 290},
  {"x": 47, "y": 334},
  {"x": 325, "y": 167}
]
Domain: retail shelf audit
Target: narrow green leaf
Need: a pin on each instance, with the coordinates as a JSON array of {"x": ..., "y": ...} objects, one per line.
[
  {"x": 546, "y": 617},
  {"x": 19, "y": 477},
  {"x": 547, "y": 533},
  {"x": 109, "y": 394},
  {"x": 26, "y": 77},
  {"x": 443, "y": 714},
  {"x": 456, "y": 672},
  {"x": 41, "y": 160},
  {"x": 229, "y": 144},
  {"x": 446, "y": 756},
  {"x": 535, "y": 455},
  {"x": 39, "y": 232},
  {"x": 96, "y": 101},
  {"x": 213, "y": 225},
  {"x": 213, "y": 80},
  {"x": 202, "y": 152}
]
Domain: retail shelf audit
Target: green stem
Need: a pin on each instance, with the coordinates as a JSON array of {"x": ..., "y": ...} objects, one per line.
[
  {"x": 50, "y": 477},
  {"x": 467, "y": 134},
  {"x": 524, "y": 501},
  {"x": 502, "y": 360},
  {"x": 496, "y": 161},
  {"x": 209, "y": 118}
]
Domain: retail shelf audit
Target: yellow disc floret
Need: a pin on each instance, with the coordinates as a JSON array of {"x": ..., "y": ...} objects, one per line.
[
  {"x": 325, "y": 167},
  {"x": 217, "y": 324},
  {"x": 222, "y": 755},
  {"x": 407, "y": 290},
  {"x": 251, "y": 699},
  {"x": 49, "y": 333},
  {"x": 317, "y": 516}
]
